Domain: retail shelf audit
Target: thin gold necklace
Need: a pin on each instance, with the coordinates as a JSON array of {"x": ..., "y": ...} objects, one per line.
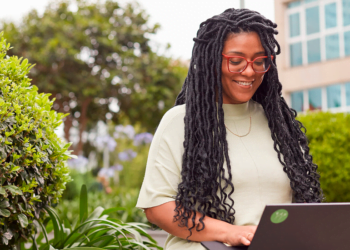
[{"x": 250, "y": 125}]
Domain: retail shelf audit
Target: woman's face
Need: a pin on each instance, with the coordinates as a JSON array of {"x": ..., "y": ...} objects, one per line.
[{"x": 240, "y": 87}]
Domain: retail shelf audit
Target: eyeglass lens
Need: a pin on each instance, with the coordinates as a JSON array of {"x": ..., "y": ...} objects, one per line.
[{"x": 237, "y": 64}]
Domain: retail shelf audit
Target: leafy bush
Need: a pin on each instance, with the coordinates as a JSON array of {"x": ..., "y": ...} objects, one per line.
[
  {"x": 33, "y": 170},
  {"x": 95, "y": 231},
  {"x": 329, "y": 141}
]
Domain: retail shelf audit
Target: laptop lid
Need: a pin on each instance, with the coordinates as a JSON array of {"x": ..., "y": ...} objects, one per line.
[
  {"x": 215, "y": 245},
  {"x": 321, "y": 226}
]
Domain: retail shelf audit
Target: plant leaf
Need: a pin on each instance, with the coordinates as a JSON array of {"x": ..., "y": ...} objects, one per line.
[
  {"x": 57, "y": 225},
  {"x": 14, "y": 190},
  {"x": 83, "y": 203},
  {"x": 4, "y": 212},
  {"x": 2, "y": 191},
  {"x": 83, "y": 248},
  {"x": 113, "y": 209},
  {"x": 23, "y": 220},
  {"x": 4, "y": 204}
]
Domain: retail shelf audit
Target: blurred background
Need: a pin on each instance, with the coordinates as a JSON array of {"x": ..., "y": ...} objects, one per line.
[{"x": 117, "y": 67}]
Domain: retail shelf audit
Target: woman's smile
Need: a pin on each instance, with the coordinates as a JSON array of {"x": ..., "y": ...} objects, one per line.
[{"x": 244, "y": 84}]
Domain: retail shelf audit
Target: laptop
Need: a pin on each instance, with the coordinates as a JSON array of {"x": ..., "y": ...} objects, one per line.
[{"x": 308, "y": 226}]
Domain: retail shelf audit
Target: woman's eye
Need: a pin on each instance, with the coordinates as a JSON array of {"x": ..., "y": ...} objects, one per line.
[{"x": 235, "y": 62}]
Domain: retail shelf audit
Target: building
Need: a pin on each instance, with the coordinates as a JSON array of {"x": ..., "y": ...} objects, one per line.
[{"x": 314, "y": 66}]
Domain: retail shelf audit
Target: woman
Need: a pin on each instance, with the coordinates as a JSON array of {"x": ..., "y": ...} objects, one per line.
[{"x": 231, "y": 144}]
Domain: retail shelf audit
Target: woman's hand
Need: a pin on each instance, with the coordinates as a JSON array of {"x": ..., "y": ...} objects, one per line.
[{"x": 240, "y": 235}]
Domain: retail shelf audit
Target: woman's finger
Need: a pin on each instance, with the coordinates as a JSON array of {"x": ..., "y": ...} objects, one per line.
[
  {"x": 250, "y": 236},
  {"x": 245, "y": 241}
]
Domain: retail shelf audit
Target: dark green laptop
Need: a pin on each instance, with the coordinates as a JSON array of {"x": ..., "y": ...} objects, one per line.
[{"x": 319, "y": 226}]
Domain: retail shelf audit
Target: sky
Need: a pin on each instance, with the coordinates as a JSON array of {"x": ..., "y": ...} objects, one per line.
[{"x": 179, "y": 19}]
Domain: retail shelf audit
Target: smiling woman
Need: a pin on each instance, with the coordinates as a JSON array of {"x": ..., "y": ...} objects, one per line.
[
  {"x": 231, "y": 144},
  {"x": 235, "y": 67}
]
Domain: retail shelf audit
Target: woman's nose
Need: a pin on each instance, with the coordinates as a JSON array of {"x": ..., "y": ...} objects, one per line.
[{"x": 249, "y": 71}]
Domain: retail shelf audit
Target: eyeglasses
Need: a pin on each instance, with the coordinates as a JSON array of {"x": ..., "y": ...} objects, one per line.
[{"x": 237, "y": 64}]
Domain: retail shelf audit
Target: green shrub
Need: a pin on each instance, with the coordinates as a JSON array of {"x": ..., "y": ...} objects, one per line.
[
  {"x": 329, "y": 141},
  {"x": 94, "y": 231},
  {"x": 33, "y": 170}
]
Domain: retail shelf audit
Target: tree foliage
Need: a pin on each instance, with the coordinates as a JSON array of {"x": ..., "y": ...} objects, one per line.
[
  {"x": 33, "y": 170},
  {"x": 97, "y": 60},
  {"x": 329, "y": 137}
]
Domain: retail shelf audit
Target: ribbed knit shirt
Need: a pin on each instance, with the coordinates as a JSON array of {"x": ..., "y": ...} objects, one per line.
[{"x": 257, "y": 174}]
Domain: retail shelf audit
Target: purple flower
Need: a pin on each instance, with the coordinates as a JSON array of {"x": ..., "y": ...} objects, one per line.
[
  {"x": 103, "y": 141},
  {"x": 106, "y": 172},
  {"x": 143, "y": 138},
  {"x": 117, "y": 167},
  {"x": 79, "y": 163},
  {"x": 127, "y": 155},
  {"x": 111, "y": 144},
  {"x": 121, "y": 131},
  {"x": 123, "y": 156}
]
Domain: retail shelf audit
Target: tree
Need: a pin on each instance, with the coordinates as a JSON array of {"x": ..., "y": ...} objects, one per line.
[{"x": 98, "y": 63}]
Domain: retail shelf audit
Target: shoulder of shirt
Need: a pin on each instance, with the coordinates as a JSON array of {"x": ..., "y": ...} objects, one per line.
[
  {"x": 173, "y": 116},
  {"x": 179, "y": 110}
]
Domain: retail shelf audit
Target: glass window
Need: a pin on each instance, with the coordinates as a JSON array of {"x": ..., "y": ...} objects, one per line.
[
  {"x": 296, "y": 57},
  {"x": 312, "y": 20},
  {"x": 309, "y": 1},
  {"x": 346, "y": 12},
  {"x": 331, "y": 15},
  {"x": 314, "y": 50},
  {"x": 332, "y": 46},
  {"x": 334, "y": 96},
  {"x": 298, "y": 101},
  {"x": 294, "y": 26},
  {"x": 315, "y": 99},
  {"x": 294, "y": 4},
  {"x": 347, "y": 43},
  {"x": 347, "y": 93}
]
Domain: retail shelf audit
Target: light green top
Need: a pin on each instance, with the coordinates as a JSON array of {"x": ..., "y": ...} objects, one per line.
[{"x": 257, "y": 174}]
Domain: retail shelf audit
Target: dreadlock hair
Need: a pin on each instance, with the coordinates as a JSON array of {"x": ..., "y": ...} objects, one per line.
[{"x": 204, "y": 187}]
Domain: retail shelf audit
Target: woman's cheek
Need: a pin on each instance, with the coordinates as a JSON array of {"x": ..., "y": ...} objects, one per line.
[{"x": 261, "y": 78}]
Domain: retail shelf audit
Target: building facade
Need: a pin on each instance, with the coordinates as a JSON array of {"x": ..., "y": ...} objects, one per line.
[{"x": 314, "y": 66}]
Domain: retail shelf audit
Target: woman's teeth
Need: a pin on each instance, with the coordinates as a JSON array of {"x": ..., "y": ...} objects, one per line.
[{"x": 244, "y": 83}]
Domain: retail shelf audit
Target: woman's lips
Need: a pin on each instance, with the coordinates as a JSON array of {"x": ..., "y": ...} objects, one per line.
[{"x": 244, "y": 84}]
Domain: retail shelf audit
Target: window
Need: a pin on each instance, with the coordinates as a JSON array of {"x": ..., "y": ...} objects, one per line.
[
  {"x": 294, "y": 4},
  {"x": 347, "y": 43},
  {"x": 315, "y": 98},
  {"x": 312, "y": 20},
  {"x": 332, "y": 46},
  {"x": 296, "y": 54},
  {"x": 347, "y": 93},
  {"x": 346, "y": 12},
  {"x": 297, "y": 101},
  {"x": 334, "y": 96},
  {"x": 316, "y": 29},
  {"x": 330, "y": 15},
  {"x": 313, "y": 50},
  {"x": 294, "y": 26}
]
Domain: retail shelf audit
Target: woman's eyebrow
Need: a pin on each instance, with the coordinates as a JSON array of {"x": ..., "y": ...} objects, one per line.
[{"x": 241, "y": 53}]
